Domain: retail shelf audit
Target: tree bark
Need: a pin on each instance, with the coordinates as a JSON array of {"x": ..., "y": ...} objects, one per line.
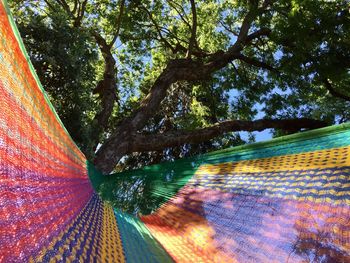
[
  {"x": 120, "y": 142},
  {"x": 156, "y": 142},
  {"x": 128, "y": 142},
  {"x": 334, "y": 92},
  {"x": 106, "y": 88}
]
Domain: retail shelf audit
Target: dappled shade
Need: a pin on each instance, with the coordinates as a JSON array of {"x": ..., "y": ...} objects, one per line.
[
  {"x": 286, "y": 200},
  {"x": 289, "y": 196}
]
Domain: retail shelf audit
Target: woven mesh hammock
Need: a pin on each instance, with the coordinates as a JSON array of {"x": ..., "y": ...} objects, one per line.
[{"x": 286, "y": 200}]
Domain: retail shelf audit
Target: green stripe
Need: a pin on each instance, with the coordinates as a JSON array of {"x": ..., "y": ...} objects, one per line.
[
  {"x": 138, "y": 243},
  {"x": 284, "y": 142},
  {"x": 161, "y": 182}
]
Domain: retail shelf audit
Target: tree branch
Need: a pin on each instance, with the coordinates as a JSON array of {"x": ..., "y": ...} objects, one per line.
[
  {"x": 193, "y": 41},
  {"x": 257, "y": 34},
  {"x": 119, "y": 142},
  {"x": 76, "y": 3},
  {"x": 156, "y": 142},
  {"x": 64, "y": 4},
  {"x": 167, "y": 44},
  {"x": 257, "y": 63},
  {"x": 50, "y": 5},
  {"x": 334, "y": 92},
  {"x": 119, "y": 21},
  {"x": 228, "y": 29},
  {"x": 80, "y": 13},
  {"x": 106, "y": 88},
  {"x": 77, "y": 13},
  {"x": 247, "y": 21},
  {"x": 172, "y": 4}
]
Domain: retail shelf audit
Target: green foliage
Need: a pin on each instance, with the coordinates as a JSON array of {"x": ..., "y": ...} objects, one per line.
[
  {"x": 312, "y": 44},
  {"x": 66, "y": 62},
  {"x": 309, "y": 42}
]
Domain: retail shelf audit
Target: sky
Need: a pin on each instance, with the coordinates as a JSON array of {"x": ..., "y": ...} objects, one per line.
[{"x": 259, "y": 136}]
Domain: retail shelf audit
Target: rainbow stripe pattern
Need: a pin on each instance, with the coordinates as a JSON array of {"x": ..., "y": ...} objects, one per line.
[
  {"x": 293, "y": 208},
  {"x": 286, "y": 200},
  {"x": 48, "y": 207},
  {"x": 49, "y": 211}
]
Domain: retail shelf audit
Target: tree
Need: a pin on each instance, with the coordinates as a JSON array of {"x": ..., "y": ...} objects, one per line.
[{"x": 154, "y": 80}]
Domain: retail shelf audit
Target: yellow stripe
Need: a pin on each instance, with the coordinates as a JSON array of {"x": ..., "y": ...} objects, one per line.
[
  {"x": 111, "y": 249},
  {"x": 321, "y": 159}
]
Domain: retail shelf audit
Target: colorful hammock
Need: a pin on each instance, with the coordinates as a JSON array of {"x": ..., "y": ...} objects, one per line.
[{"x": 286, "y": 200}]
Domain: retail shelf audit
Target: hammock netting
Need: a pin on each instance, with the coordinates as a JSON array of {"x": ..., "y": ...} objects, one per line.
[{"x": 286, "y": 200}]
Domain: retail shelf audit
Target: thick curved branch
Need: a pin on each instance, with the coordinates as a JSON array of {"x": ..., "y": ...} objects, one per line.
[
  {"x": 334, "y": 92},
  {"x": 106, "y": 89},
  {"x": 177, "y": 70},
  {"x": 156, "y": 142}
]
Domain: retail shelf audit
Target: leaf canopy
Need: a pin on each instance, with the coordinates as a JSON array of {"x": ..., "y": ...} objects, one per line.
[{"x": 299, "y": 67}]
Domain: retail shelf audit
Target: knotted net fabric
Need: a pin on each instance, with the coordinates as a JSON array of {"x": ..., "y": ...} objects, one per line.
[
  {"x": 286, "y": 200},
  {"x": 49, "y": 210}
]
